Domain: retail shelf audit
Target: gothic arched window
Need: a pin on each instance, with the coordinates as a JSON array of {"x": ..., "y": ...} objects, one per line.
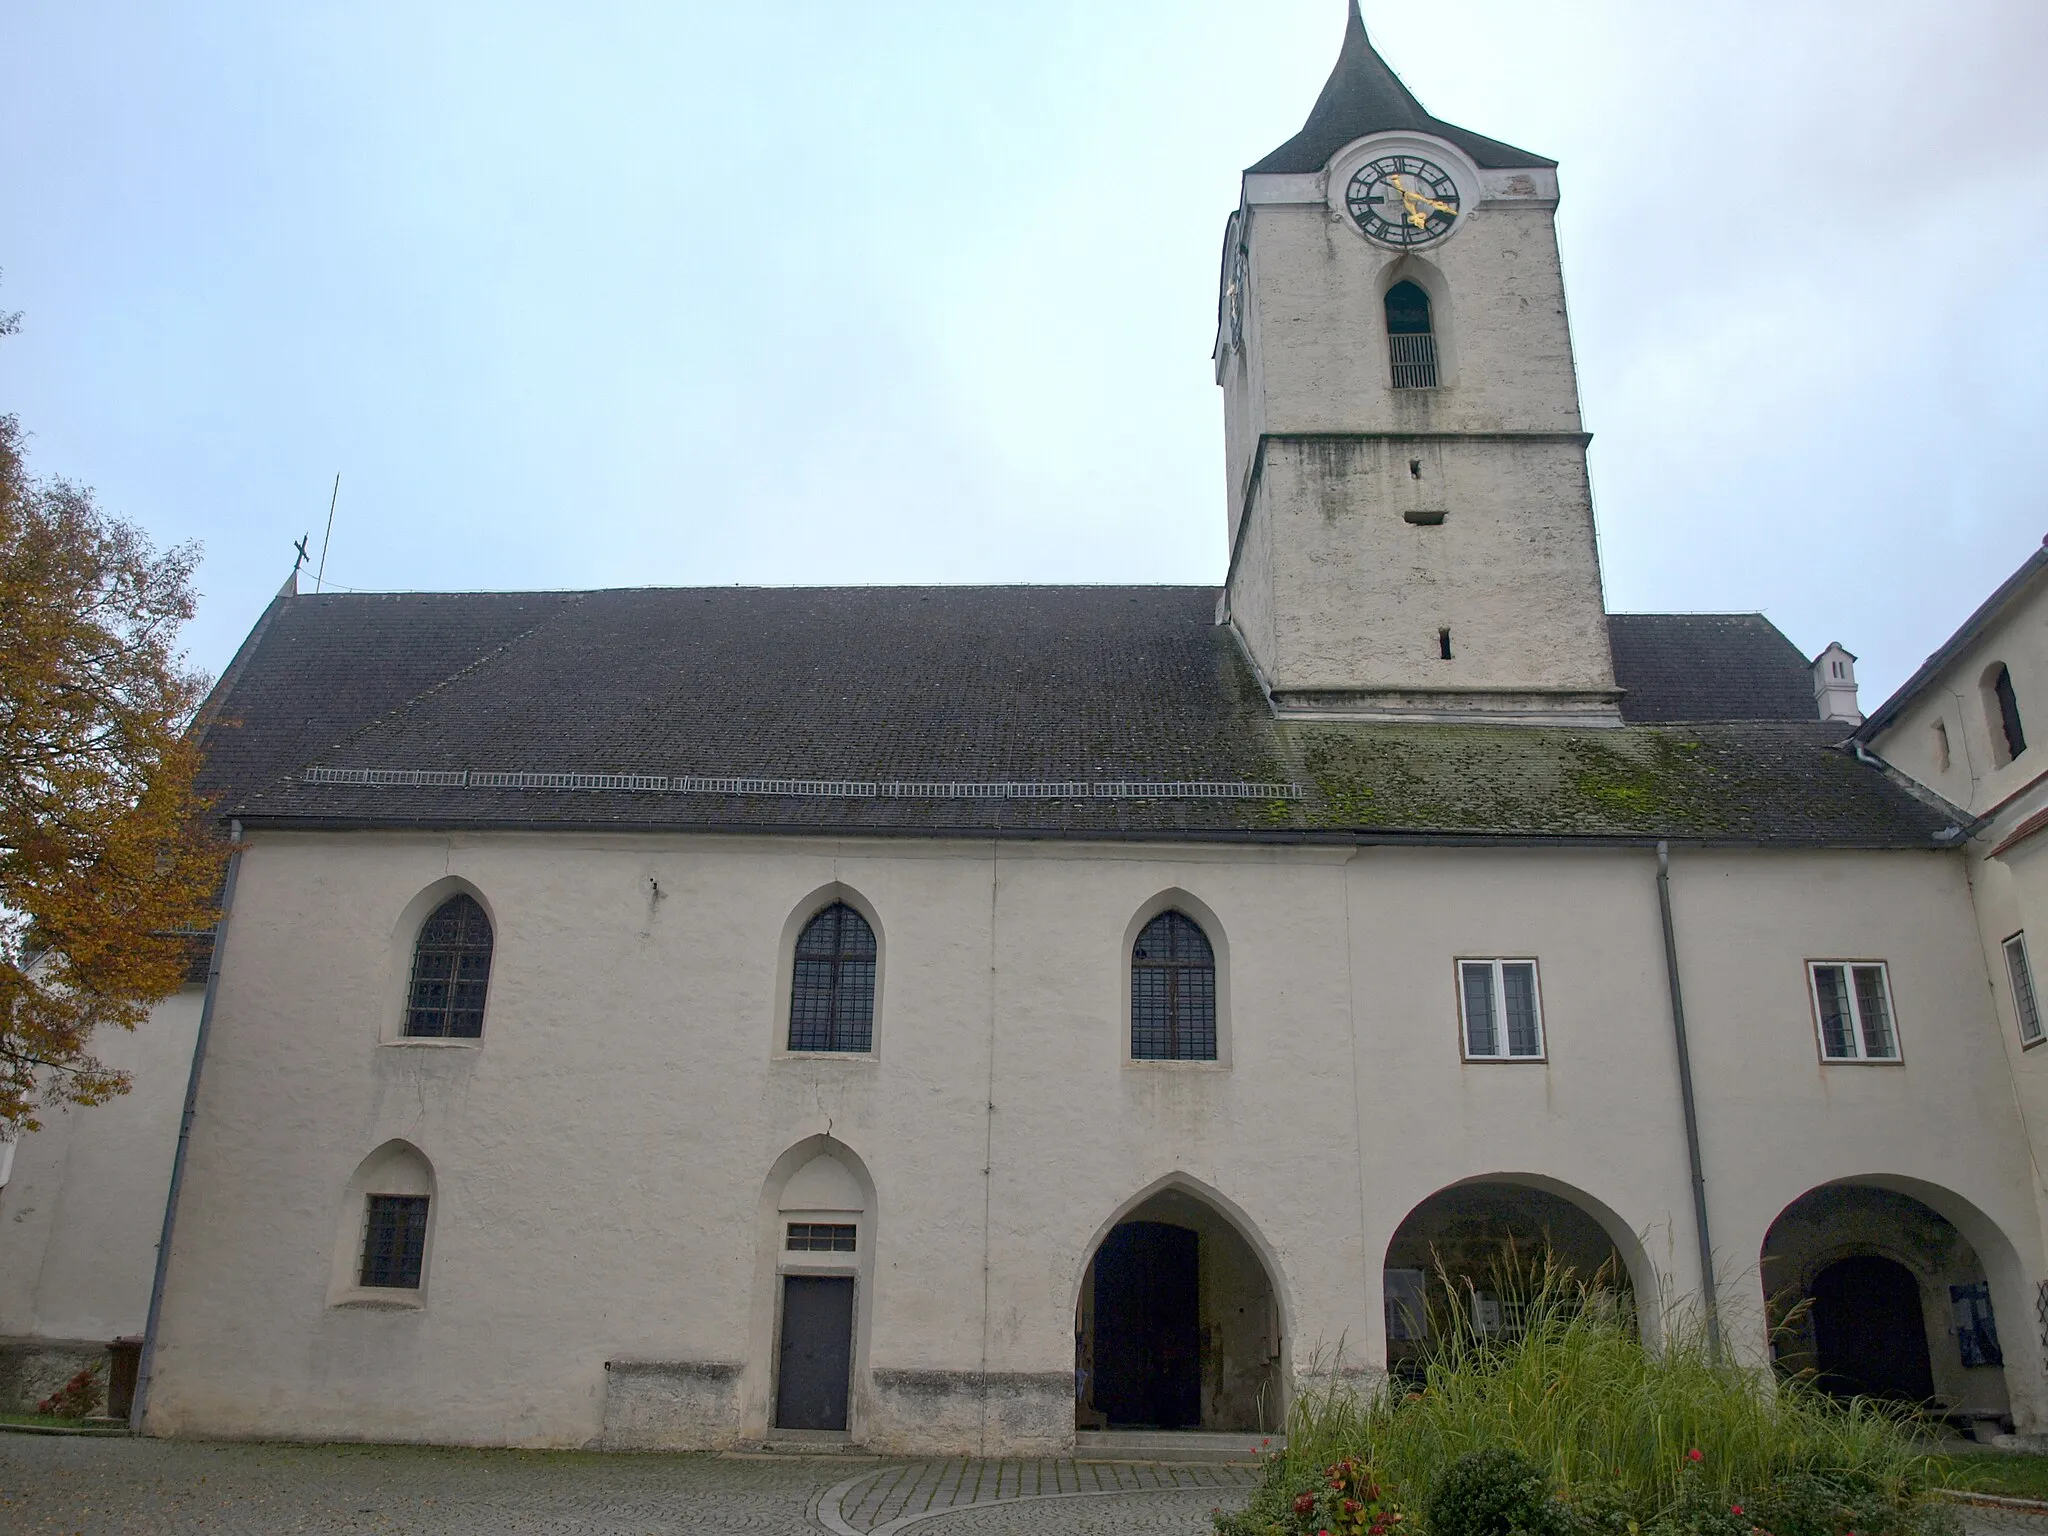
[
  {"x": 1411, "y": 337},
  {"x": 451, "y": 971},
  {"x": 832, "y": 983},
  {"x": 1173, "y": 991}
]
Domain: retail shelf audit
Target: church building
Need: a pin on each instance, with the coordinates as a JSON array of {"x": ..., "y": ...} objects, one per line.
[{"x": 999, "y": 1020}]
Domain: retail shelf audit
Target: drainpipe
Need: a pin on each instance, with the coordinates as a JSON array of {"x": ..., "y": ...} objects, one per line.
[
  {"x": 147, "y": 1367},
  {"x": 1685, "y": 1094}
]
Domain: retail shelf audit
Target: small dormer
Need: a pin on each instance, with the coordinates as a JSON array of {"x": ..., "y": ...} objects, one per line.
[{"x": 1834, "y": 685}]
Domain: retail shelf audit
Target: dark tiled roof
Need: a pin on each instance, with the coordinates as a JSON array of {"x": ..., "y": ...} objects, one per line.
[
  {"x": 1956, "y": 643},
  {"x": 317, "y": 670},
  {"x": 1708, "y": 666},
  {"x": 1364, "y": 96},
  {"x": 959, "y": 684}
]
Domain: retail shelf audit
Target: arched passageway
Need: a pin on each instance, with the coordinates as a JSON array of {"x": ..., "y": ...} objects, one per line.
[
  {"x": 1177, "y": 1326},
  {"x": 1476, "y": 1252},
  {"x": 1871, "y": 1292}
]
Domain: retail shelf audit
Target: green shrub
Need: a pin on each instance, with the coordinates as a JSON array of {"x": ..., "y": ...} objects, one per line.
[
  {"x": 1626, "y": 1440},
  {"x": 1495, "y": 1492}
]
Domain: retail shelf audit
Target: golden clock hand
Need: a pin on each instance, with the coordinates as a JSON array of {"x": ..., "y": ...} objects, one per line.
[{"x": 1414, "y": 202}]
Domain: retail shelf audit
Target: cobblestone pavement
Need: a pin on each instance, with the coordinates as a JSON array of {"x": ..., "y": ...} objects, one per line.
[
  {"x": 55, "y": 1486},
  {"x": 921, "y": 1493},
  {"x": 52, "y": 1486}
]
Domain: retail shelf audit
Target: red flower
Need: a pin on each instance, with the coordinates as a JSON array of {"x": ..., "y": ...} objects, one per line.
[
  {"x": 1695, "y": 1454},
  {"x": 1734, "y": 1509},
  {"x": 1304, "y": 1504}
]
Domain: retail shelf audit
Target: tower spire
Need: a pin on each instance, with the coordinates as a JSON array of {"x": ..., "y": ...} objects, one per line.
[{"x": 1363, "y": 95}]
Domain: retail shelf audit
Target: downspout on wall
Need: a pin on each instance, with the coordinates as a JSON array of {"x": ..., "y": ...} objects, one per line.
[
  {"x": 147, "y": 1366},
  {"x": 1709, "y": 1303}
]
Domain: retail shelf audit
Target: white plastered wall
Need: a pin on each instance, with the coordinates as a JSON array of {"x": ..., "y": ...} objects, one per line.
[
  {"x": 601, "y": 1159},
  {"x": 83, "y": 1206}
]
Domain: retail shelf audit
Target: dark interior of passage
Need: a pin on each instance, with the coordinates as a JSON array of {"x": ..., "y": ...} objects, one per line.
[
  {"x": 816, "y": 1359},
  {"x": 1148, "y": 1327},
  {"x": 1870, "y": 1339}
]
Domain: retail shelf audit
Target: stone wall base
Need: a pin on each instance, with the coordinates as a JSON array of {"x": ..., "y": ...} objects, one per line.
[
  {"x": 914, "y": 1413},
  {"x": 670, "y": 1405}
]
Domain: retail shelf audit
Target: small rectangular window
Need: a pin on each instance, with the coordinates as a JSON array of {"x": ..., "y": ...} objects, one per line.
[
  {"x": 394, "y": 1241},
  {"x": 2023, "y": 1003},
  {"x": 819, "y": 1237},
  {"x": 1503, "y": 1014},
  {"x": 1853, "y": 1006}
]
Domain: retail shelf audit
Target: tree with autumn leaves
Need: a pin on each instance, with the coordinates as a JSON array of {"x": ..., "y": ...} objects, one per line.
[{"x": 109, "y": 864}]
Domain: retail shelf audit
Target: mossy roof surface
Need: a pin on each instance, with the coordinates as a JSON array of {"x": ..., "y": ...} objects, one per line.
[{"x": 1765, "y": 782}]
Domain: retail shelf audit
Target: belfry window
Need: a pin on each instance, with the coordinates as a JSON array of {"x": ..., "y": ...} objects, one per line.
[
  {"x": 1411, "y": 338},
  {"x": 832, "y": 983},
  {"x": 1173, "y": 992},
  {"x": 451, "y": 971}
]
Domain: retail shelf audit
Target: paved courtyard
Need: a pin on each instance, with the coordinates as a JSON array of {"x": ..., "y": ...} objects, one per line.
[
  {"x": 92, "y": 1487},
  {"x": 51, "y": 1486}
]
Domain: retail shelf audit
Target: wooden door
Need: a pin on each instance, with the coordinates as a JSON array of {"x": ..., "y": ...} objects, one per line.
[
  {"x": 816, "y": 1359},
  {"x": 1148, "y": 1326}
]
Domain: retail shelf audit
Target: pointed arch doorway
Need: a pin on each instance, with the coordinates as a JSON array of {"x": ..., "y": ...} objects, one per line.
[{"x": 1177, "y": 1326}]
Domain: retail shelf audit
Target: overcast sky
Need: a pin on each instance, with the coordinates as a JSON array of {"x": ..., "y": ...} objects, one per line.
[{"x": 923, "y": 290}]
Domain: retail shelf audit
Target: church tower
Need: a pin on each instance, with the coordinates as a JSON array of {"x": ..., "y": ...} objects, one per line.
[{"x": 1411, "y": 525}]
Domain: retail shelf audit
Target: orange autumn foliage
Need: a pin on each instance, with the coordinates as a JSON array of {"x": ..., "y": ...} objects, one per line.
[{"x": 108, "y": 864}]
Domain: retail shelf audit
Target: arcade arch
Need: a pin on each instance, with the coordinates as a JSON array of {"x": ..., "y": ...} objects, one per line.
[
  {"x": 1871, "y": 1291},
  {"x": 1475, "y": 1249},
  {"x": 1178, "y": 1324}
]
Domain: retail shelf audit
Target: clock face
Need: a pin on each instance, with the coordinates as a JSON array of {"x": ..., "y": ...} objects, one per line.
[
  {"x": 1240, "y": 278},
  {"x": 1403, "y": 200}
]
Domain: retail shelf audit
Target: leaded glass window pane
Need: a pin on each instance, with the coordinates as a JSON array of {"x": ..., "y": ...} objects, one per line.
[
  {"x": 1831, "y": 990},
  {"x": 394, "y": 1241},
  {"x": 1875, "y": 1009},
  {"x": 451, "y": 972},
  {"x": 2023, "y": 988},
  {"x": 1480, "y": 1036},
  {"x": 1173, "y": 991},
  {"x": 832, "y": 983},
  {"x": 1518, "y": 994}
]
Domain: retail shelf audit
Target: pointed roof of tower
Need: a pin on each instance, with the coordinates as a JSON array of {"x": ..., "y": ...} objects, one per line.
[{"x": 1365, "y": 96}]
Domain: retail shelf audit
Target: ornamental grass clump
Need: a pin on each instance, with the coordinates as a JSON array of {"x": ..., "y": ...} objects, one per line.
[{"x": 1575, "y": 1426}]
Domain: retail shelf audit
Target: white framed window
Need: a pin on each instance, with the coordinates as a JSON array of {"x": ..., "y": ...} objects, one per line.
[
  {"x": 2023, "y": 1002},
  {"x": 1852, "y": 1003},
  {"x": 1500, "y": 1009}
]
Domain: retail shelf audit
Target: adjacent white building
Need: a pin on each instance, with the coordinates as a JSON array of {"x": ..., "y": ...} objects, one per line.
[{"x": 967, "y": 1019}]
